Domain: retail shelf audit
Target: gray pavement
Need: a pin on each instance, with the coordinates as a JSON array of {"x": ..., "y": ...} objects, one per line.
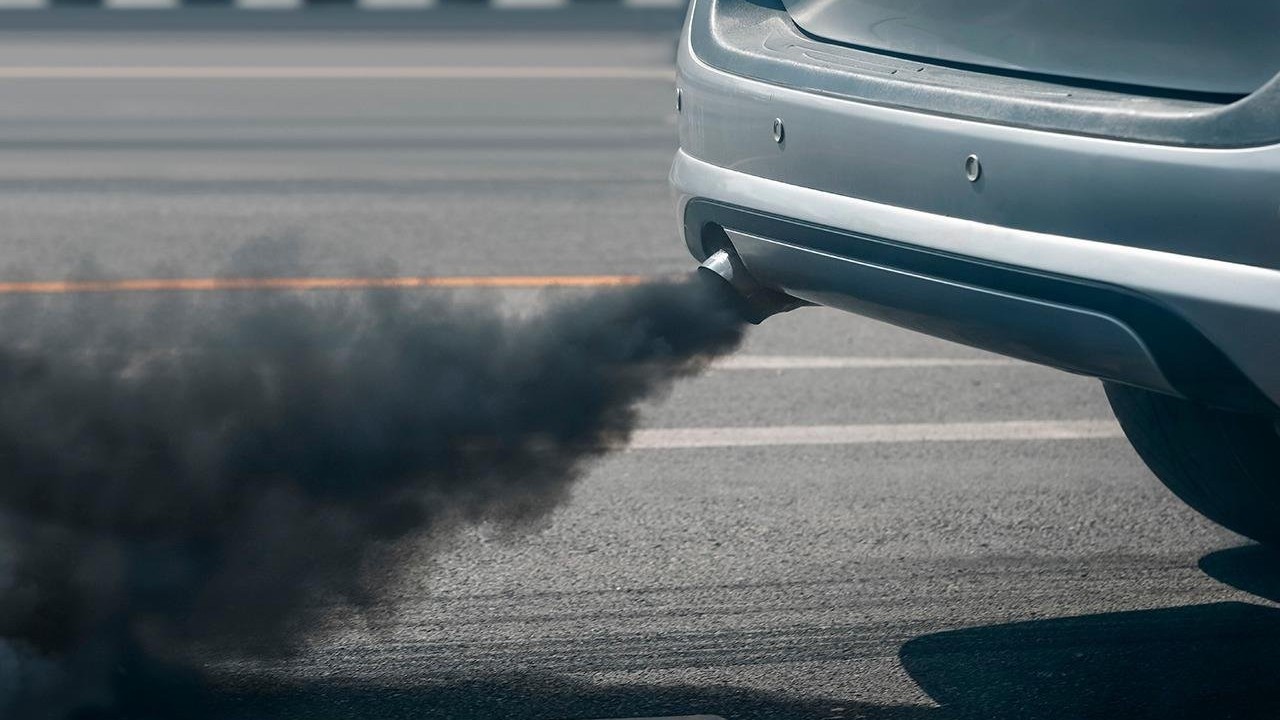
[{"x": 995, "y": 579}]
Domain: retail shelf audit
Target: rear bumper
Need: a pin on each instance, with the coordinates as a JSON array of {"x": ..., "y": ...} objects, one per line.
[
  {"x": 1154, "y": 264},
  {"x": 1203, "y": 329}
]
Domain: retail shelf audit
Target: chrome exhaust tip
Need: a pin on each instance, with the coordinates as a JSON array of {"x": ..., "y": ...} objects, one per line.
[{"x": 754, "y": 301}]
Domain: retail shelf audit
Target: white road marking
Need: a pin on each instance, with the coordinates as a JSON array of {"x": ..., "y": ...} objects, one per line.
[
  {"x": 23, "y": 4},
  {"x": 677, "y": 438},
  {"x": 140, "y": 4},
  {"x": 837, "y": 362},
  {"x": 302, "y": 72},
  {"x": 528, "y": 4},
  {"x": 268, "y": 4},
  {"x": 395, "y": 4}
]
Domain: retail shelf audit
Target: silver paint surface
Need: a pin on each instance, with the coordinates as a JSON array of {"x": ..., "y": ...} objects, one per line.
[{"x": 1226, "y": 46}]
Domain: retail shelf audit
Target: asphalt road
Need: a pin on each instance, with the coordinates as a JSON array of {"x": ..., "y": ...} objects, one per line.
[{"x": 933, "y": 577}]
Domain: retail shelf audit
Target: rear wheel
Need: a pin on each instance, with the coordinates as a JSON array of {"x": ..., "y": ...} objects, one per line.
[{"x": 1225, "y": 465}]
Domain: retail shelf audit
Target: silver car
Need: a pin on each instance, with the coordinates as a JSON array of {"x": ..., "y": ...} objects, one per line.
[{"x": 1092, "y": 185}]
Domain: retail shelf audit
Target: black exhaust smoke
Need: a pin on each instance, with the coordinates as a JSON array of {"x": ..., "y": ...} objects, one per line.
[{"x": 181, "y": 476}]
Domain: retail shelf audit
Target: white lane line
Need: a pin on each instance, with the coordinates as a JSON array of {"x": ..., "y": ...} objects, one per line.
[
  {"x": 837, "y": 362},
  {"x": 23, "y": 4},
  {"x": 676, "y": 438},
  {"x": 140, "y": 4},
  {"x": 528, "y": 4},
  {"x": 395, "y": 4},
  {"x": 268, "y": 4},
  {"x": 288, "y": 72}
]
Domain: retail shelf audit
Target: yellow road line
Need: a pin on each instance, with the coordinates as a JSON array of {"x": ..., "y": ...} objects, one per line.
[
  {"x": 60, "y": 287},
  {"x": 319, "y": 72}
]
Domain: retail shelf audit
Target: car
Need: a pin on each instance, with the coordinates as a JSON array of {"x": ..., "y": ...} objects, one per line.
[{"x": 1089, "y": 185}]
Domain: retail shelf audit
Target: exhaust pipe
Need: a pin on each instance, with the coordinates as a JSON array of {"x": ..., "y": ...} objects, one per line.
[{"x": 754, "y": 301}]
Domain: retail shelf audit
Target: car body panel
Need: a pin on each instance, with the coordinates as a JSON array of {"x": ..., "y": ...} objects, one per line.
[
  {"x": 1224, "y": 46},
  {"x": 758, "y": 40},
  {"x": 1220, "y": 203}
]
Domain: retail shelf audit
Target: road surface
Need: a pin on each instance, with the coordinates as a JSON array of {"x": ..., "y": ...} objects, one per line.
[{"x": 940, "y": 533}]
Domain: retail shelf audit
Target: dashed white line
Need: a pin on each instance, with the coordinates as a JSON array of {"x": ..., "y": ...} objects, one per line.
[
  {"x": 838, "y": 362},
  {"x": 395, "y": 4},
  {"x": 140, "y": 4},
  {"x": 268, "y": 4},
  {"x": 528, "y": 4},
  {"x": 723, "y": 437}
]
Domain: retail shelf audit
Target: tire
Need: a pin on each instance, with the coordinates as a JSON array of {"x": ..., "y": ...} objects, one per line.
[{"x": 1223, "y": 464}]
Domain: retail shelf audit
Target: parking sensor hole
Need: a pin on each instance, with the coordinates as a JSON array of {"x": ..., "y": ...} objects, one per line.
[{"x": 972, "y": 168}]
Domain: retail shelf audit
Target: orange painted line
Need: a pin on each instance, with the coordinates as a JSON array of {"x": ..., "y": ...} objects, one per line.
[{"x": 62, "y": 287}]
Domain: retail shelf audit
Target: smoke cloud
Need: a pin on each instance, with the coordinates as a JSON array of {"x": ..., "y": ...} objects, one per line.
[{"x": 187, "y": 475}]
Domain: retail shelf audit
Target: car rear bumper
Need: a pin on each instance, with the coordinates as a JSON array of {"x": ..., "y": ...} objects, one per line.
[
  {"x": 1203, "y": 329},
  {"x": 1152, "y": 264}
]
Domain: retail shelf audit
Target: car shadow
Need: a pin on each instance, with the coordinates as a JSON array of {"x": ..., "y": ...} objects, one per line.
[
  {"x": 1254, "y": 569},
  {"x": 523, "y": 696},
  {"x": 1217, "y": 660}
]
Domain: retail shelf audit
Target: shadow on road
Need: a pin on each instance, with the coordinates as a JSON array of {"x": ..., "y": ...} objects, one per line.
[
  {"x": 537, "y": 697},
  {"x": 1218, "y": 660},
  {"x": 1202, "y": 661},
  {"x": 1254, "y": 569}
]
